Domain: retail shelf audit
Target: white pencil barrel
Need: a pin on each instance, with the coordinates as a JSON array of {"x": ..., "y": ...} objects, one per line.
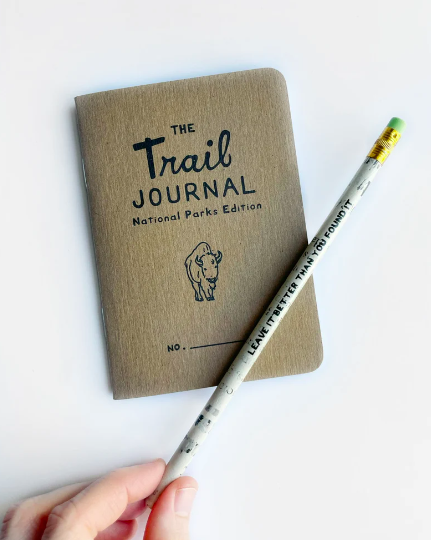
[{"x": 267, "y": 325}]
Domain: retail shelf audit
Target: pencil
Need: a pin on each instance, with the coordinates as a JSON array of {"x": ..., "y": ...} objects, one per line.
[{"x": 280, "y": 305}]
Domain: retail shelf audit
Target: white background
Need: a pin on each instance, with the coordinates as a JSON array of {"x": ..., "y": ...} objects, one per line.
[{"x": 340, "y": 453}]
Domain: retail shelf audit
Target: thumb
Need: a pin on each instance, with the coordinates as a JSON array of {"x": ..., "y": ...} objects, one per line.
[{"x": 169, "y": 519}]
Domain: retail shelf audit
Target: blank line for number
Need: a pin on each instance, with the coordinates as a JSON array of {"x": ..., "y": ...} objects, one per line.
[{"x": 215, "y": 344}]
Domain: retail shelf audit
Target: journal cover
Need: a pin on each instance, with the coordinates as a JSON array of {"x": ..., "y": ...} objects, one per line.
[{"x": 197, "y": 218}]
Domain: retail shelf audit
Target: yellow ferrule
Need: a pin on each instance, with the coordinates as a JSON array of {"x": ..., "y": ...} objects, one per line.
[{"x": 384, "y": 144}]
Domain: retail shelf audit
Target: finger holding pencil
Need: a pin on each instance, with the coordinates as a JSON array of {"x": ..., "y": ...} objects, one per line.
[{"x": 280, "y": 305}]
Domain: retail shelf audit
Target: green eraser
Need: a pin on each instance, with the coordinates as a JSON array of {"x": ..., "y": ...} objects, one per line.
[{"x": 398, "y": 124}]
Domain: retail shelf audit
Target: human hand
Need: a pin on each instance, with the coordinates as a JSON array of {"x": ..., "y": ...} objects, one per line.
[{"x": 105, "y": 509}]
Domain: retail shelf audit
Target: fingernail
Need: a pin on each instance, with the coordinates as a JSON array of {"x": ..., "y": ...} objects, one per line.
[
  {"x": 183, "y": 501},
  {"x": 159, "y": 459}
]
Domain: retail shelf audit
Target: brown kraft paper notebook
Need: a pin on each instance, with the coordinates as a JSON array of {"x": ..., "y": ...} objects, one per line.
[{"x": 197, "y": 218}]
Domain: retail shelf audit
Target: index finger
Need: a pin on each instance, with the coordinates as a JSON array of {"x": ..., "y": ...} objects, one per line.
[{"x": 100, "y": 504}]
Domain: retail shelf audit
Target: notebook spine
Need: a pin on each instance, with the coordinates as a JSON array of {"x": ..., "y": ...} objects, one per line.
[{"x": 84, "y": 175}]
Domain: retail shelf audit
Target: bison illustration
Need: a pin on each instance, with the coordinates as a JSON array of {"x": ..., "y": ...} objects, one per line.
[{"x": 202, "y": 270}]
